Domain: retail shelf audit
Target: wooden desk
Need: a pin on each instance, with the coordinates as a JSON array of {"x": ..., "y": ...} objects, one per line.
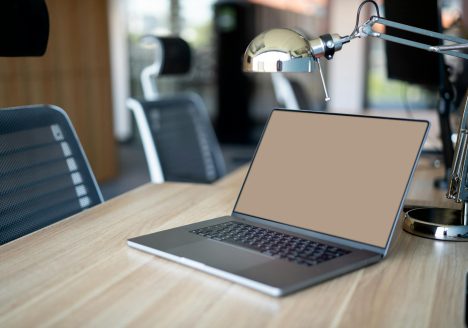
[{"x": 81, "y": 272}]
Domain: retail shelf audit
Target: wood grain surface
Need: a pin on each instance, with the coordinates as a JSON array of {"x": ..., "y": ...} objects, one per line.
[{"x": 80, "y": 271}]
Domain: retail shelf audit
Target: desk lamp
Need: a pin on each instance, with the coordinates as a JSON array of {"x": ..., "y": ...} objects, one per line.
[{"x": 285, "y": 50}]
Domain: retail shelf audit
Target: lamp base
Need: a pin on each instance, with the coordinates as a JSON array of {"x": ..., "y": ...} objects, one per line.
[{"x": 436, "y": 223}]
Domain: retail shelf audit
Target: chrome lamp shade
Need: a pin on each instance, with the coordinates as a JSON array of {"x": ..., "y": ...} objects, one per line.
[{"x": 279, "y": 50}]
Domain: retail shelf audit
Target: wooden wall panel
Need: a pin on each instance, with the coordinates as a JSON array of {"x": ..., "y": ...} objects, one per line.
[{"x": 74, "y": 74}]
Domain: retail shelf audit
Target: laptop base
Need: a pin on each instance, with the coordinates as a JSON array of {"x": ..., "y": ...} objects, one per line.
[{"x": 268, "y": 274}]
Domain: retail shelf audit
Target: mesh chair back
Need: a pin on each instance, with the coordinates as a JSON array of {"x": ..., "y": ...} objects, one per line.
[
  {"x": 44, "y": 174},
  {"x": 181, "y": 133}
]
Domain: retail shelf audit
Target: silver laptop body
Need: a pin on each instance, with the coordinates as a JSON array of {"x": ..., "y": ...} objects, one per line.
[{"x": 322, "y": 198}]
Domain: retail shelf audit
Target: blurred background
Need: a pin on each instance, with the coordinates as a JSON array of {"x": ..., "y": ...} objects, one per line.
[{"x": 94, "y": 61}]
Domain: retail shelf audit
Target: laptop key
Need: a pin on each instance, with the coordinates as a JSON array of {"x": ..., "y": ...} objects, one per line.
[{"x": 272, "y": 243}]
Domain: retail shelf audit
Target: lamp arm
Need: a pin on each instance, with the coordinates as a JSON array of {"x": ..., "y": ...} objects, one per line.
[
  {"x": 451, "y": 47},
  {"x": 458, "y": 188},
  {"x": 458, "y": 181},
  {"x": 366, "y": 29}
]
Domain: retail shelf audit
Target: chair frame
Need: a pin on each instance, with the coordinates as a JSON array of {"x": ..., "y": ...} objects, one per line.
[
  {"x": 149, "y": 146},
  {"x": 284, "y": 92},
  {"x": 75, "y": 135}
]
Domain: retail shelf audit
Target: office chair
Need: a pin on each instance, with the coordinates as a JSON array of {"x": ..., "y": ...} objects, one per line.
[
  {"x": 44, "y": 174},
  {"x": 178, "y": 139},
  {"x": 289, "y": 93}
]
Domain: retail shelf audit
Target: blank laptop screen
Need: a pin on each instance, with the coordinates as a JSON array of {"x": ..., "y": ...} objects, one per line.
[{"x": 340, "y": 175}]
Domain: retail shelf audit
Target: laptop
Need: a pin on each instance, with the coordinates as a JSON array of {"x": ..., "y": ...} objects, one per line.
[{"x": 321, "y": 198}]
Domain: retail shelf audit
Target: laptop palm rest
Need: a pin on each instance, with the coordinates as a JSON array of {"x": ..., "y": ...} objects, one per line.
[{"x": 221, "y": 255}]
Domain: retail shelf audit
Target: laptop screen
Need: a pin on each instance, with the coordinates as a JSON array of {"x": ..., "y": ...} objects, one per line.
[{"x": 341, "y": 175}]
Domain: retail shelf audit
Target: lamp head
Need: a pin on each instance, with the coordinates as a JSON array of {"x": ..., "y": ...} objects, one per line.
[
  {"x": 285, "y": 50},
  {"x": 279, "y": 50}
]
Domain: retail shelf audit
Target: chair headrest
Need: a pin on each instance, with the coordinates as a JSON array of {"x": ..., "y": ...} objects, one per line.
[{"x": 173, "y": 54}]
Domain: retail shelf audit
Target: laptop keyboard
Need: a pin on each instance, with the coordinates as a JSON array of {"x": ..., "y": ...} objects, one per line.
[{"x": 273, "y": 243}]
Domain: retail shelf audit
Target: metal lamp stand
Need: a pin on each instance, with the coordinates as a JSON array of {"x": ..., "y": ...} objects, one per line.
[
  {"x": 438, "y": 223},
  {"x": 444, "y": 223}
]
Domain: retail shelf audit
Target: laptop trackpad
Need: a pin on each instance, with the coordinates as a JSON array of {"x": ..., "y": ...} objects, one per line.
[{"x": 219, "y": 255}]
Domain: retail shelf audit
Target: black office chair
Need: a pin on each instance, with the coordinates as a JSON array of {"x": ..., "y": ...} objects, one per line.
[
  {"x": 289, "y": 93},
  {"x": 44, "y": 174},
  {"x": 178, "y": 139},
  {"x": 176, "y": 132}
]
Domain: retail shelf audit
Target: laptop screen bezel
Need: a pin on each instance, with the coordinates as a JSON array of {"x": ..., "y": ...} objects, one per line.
[{"x": 325, "y": 236}]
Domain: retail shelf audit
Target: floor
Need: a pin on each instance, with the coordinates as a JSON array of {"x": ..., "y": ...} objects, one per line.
[{"x": 134, "y": 172}]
